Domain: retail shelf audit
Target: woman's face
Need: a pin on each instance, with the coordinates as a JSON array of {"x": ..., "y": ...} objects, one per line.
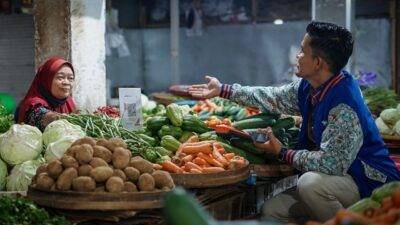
[{"x": 63, "y": 80}]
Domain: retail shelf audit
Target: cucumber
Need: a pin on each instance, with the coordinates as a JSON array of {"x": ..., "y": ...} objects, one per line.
[
  {"x": 253, "y": 123},
  {"x": 246, "y": 145},
  {"x": 182, "y": 209},
  {"x": 252, "y": 158},
  {"x": 155, "y": 123},
  {"x": 264, "y": 115},
  {"x": 285, "y": 123},
  {"x": 150, "y": 140},
  {"x": 364, "y": 204},
  {"x": 240, "y": 115},
  {"x": 385, "y": 191}
]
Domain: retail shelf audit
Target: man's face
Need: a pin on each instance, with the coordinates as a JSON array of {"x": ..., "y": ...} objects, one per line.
[{"x": 306, "y": 62}]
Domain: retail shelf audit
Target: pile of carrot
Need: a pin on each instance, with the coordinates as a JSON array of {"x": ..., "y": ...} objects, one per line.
[
  {"x": 206, "y": 105},
  {"x": 251, "y": 111},
  {"x": 203, "y": 157},
  {"x": 213, "y": 121},
  {"x": 387, "y": 214}
]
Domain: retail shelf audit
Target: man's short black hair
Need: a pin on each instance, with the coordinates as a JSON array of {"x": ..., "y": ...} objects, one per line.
[{"x": 332, "y": 43}]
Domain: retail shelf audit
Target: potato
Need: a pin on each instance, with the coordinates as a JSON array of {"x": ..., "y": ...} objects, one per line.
[
  {"x": 64, "y": 181},
  {"x": 101, "y": 173},
  {"x": 115, "y": 184},
  {"x": 71, "y": 150},
  {"x": 146, "y": 182},
  {"x": 141, "y": 164},
  {"x": 119, "y": 173},
  {"x": 96, "y": 162},
  {"x": 41, "y": 169},
  {"x": 84, "y": 154},
  {"x": 102, "y": 152},
  {"x": 117, "y": 142},
  {"x": 165, "y": 188},
  {"x": 163, "y": 179},
  {"x": 54, "y": 169},
  {"x": 53, "y": 187},
  {"x": 100, "y": 189},
  {"x": 85, "y": 140},
  {"x": 130, "y": 187},
  {"x": 132, "y": 174},
  {"x": 69, "y": 161},
  {"x": 104, "y": 143},
  {"x": 44, "y": 182},
  {"x": 83, "y": 183},
  {"x": 84, "y": 170},
  {"x": 120, "y": 158}
]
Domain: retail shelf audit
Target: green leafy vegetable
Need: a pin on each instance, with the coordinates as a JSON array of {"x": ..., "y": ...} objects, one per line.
[{"x": 18, "y": 211}]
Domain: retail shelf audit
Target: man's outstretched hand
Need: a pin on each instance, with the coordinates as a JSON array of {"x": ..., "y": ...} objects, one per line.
[{"x": 209, "y": 90}]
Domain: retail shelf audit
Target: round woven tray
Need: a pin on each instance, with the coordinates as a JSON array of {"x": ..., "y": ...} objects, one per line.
[
  {"x": 105, "y": 201},
  {"x": 211, "y": 179},
  {"x": 391, "y": 141}
]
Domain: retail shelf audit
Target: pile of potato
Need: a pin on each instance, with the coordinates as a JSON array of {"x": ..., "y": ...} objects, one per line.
[{"x": 102, "y": 165}]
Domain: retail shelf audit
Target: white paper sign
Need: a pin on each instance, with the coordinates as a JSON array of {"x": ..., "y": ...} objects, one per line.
[{"x": 130, "y": 106}]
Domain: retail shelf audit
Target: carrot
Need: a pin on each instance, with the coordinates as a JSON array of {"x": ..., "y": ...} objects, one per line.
[
  {"x": 199, "y": 161},
  {"x": 222, "y": 128},
  {"x": 396, "y": 199},
  {"x": 213, "y": 169},
  {"x": 204, "y": 148},
  {"x": 211, "y": 104},
  {"x": 229, "y": 156},
  {"x": 190, "y": 165},
  {"x": 171, "y": 167},
  {"x": 193, "y": 138},
  {"x": 210, "y": 160},
  {"x": 217, "y": 155},
  {"x": 196, "y": 171},
  {"x": 199, "y": 143},
  {"x": 157, "y": 166},
  {"x": 221, "y": 150},
  {"x": 187, "y": 158}
]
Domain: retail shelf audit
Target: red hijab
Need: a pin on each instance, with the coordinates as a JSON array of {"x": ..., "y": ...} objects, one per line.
[{"x": 40, "y": 90}]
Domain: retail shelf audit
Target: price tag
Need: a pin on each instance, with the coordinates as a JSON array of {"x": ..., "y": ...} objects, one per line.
[{"x": 130, "y": 106}]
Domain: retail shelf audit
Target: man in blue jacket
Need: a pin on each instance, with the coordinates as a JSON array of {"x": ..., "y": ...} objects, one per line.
[{"x": 340, "y": 154}]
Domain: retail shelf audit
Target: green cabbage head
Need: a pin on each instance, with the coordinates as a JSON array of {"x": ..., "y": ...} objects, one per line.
[
  {"x": 21, "y": 175},
  {"x": 56, "y": 150},
  {"x": 20, "y": 143},
  {"x": 390, "y": 116},
  {"x": 61, "y": 128},
  {"x": 3, "y": 174},
  {"x": 383, "y": 128}
]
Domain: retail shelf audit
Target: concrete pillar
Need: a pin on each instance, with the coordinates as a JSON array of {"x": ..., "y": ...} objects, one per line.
[
  {"x": 75, "y": 29},
  {"x": 88, "y": 52},
  {"x": 340, "y": 12},
  {"x": 175, "y": 41}
]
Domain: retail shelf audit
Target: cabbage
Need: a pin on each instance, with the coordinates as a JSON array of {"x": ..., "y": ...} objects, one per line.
[
  {"x": 383, "y": 128},
  {"x": 390, "y": 116},
  {"x": 56, "y": 150},
  {"x": 21, "y": 175},
  {"x": 61, "y": 128},
  {"x": 21, "y": 143},
  {"x": 396, "y": 127},
  {"x": 3, "y": 174}
]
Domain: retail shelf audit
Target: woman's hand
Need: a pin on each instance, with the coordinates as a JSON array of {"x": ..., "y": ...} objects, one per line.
[
  {"x": 209, "y": 90},
  {"x": 273, "y": 145}
]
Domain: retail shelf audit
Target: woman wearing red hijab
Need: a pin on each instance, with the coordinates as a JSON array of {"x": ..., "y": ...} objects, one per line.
[{"x": 49, "y": 94}]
